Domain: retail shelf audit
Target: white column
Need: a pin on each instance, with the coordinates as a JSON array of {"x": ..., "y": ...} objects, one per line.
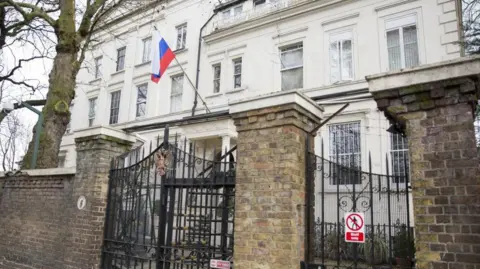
[{"x": 225, "y": 144}]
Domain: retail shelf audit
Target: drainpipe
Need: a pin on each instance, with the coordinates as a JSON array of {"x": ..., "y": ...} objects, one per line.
[{"x": 195, "y": 102}]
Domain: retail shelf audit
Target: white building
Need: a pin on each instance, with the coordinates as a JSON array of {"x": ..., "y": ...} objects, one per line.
[{"x": 325, "y": 48}]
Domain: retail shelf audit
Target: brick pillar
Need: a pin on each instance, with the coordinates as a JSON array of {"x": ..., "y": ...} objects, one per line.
[
  {"x": 95, "y": 150},
  {"x": 437, "y": 118},
  {"x": 270, "y": 189}
]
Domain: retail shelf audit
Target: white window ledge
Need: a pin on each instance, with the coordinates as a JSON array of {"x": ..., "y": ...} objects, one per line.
[
  {"x": 95, "y": 80},
  {"x": 214, "y": 95},
  {"x": 118, "y": 72},
  {"x": 236, "y": 90},
  {"x": 142, "y": 64},
  {"x": 180, "y": 51}
]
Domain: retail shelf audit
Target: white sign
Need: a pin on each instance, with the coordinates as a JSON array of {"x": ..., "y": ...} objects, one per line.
[
  {"x": 219, "y": 264},
  {"x": 354, "y": 227},
  {"x": 82, "y": 202}
]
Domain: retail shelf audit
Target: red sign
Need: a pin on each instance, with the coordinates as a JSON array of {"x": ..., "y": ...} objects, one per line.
[
  {"x": 354, "y": 227},
  {"x": 219, "y": 264},
  {"x": 354, "y": 237}
]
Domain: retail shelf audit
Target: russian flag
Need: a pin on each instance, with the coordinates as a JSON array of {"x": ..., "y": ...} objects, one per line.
[{"x": 162, "y": 57}]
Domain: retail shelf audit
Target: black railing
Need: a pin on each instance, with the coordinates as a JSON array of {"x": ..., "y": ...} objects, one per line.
[
  {"x": 339, "y": 188},
  {"x": 173, "y": 208}
]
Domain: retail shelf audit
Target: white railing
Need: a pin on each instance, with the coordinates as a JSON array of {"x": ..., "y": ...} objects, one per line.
[{"x": 254, "y": 12}]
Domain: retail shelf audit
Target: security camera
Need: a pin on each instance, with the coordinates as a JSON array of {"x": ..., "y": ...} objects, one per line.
[{"x": 8, "y": 107}]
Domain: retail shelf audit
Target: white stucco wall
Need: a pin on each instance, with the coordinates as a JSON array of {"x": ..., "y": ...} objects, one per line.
[{"x": 257, "y": 41}]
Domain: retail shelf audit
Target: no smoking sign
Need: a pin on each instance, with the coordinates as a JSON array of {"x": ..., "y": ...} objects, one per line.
[{"x": 355, "y": 227}]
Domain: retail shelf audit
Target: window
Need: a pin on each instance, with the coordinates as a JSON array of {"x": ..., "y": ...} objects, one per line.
[
  {"x": 237, "y": 73},
  {"x": 176, "y": 95},
  {"x": 92, "y": 107},
  {"x": 146, "y": 49},
  {"x": 259, "y": 2},
  {"x": 61, "y": 161},
  {"x": 345, "y": 152},
  {"x": 114, "y": 107},
  {"x": 217, "y": 69},
  {"x": 292, "y": 67},
  {"x": 141, "y": 100},
  {"x": 341, "y": 60},
  {"x": 235, "y": 12},
  {"x": 181, "y": 37},
  {"x": 121, "y": 59},
  {"x": 402, "y": 43},
  {"x": 399, "y": 155},
  {"x": 98, "y": 67},
  {"x": 69, "y": 126}
]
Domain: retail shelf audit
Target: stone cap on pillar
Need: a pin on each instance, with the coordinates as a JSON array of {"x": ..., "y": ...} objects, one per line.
[
  {"x": 426, "y": 87},
  {"x": 276, "y": 109},
  {"x": 424, "y": 74},
  {"x": 104, "y": 132}
]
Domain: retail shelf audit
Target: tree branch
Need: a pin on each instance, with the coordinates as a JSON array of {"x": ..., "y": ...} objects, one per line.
[{"x": 35, "y": 12}]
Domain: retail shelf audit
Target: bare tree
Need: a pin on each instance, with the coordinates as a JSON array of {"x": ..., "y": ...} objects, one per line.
[
  {"x": 471, "y": 26},
  {"x": 69, "y": 25},
  {"x": 14, "y": 137}
]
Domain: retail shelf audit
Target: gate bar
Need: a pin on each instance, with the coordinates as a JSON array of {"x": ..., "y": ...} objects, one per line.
[{"x": 162, "y": 208}]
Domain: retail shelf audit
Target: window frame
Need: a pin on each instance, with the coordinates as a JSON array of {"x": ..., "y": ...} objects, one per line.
[
  {"x": 231, "y": 12},
  {"x": 394, "y": 154},
  {"x": 399, "y": 22},
  {"x": 146, "y": 55},
  {"x": 92, "y": 112},
  {"x": 287, "y": 48},
  {"x": 357, "y": 171},
  {"x": 262, "y": 2},
  {"x": 339, "y": 38},
  {"x": 183, "y": 44},
  {"x": 69, "y": 124},
  {"x": 62, "y": 158},
  {"x": 235, "y": 62},
  {"x": 112, "y": 109},
  {"x": 217, "y": 79},
  {"x": 98, "y": 66},
  {"x": 122, "y": 67},
  {"x": 176, "y": 94},
  {"x": 143, "y": 102}
]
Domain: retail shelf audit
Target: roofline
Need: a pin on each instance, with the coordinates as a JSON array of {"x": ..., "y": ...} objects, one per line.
[{"x": 227, "y": 5}]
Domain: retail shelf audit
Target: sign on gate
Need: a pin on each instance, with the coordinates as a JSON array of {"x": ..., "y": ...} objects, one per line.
[
  {"x": 219, "y": 264},
  {"x": 354, "y": 227}
]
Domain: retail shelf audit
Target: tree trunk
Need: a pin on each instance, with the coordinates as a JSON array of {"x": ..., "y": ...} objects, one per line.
[{"x": 56, "y": 111}]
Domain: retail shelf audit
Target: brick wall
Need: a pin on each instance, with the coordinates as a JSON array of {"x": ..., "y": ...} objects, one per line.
[
  {"x": 438, "y": 118},
  {"x": 40, "y": 224},
  {"x": 33, "y": 221},
  {"x": 94, "y": 154},
  {"x": 270, "y": 188}
]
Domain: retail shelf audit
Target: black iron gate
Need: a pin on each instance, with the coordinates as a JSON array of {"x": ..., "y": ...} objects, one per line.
[
  {"x": 172, "y": 209},
  {"x": 340, "y": 186}
]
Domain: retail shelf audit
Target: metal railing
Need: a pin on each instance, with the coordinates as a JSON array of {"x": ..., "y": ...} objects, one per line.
[{"x": 255, "y": 12}]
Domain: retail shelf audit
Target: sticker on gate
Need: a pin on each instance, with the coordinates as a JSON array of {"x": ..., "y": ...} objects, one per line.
[
  {"x": 219, "y": 264},
  {"x": 354, "y": 227}
]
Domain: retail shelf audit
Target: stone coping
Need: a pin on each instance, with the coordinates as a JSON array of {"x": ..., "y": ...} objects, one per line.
[
  {"x": 451, "y": 69},
  {"x": 40, "y": 172},
  {"x": 105, "y": 130},
  {"x": 276, "y": 99}
]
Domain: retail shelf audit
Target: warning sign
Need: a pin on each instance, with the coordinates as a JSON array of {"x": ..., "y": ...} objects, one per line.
[
  {"x": 219, "y": 264},
  {"x": 354, "y": 227}
]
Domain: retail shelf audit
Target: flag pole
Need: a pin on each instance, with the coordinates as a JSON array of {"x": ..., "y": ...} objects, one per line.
[
  {"x": 188, "y": 78},
  {"x": 191, "y": 84}
]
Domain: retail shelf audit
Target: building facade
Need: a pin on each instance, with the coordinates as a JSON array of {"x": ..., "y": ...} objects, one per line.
[{"x": 244, "y": 48}]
